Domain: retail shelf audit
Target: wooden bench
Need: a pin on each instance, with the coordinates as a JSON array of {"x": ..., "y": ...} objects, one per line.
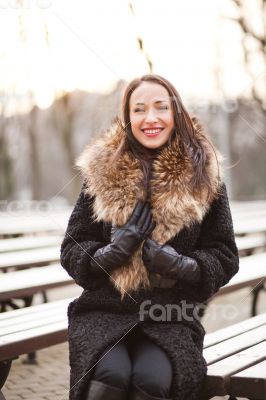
[
  {"x": 252, "y": 273},
  {"x": 29, "y": 253},
  {"x": 235, "y": 355},
  {"x": 29, "y": 258},
  {"x": 249, "y": 217},
  {"x": 26, "y": 283},
  {"x": 247, "y": 245},
  {"x": 30, "y": 329},
  {"x": 244, "y": 226},
  {"x": 236, "y": 360}
]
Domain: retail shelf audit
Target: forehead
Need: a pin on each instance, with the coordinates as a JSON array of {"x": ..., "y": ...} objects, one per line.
[{"x": 148, "y": 92}]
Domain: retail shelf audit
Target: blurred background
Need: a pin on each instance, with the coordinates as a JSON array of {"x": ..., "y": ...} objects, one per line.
[
  {"x": 64, "y": 65},
  {"x": 63, "y": 69}
]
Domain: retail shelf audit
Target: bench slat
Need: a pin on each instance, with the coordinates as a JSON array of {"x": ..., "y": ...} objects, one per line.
[
  {"x": 14, "y": 323},
  {"x": 234, "y": 330},
  {"x": 37, "y": 338},
  {"x": 250, "y": 383},
  {"x": 28, "y": 258},
  {"x": 249, "y": 243},
  {"x": 30, "y": 281},
  {"x": 34, "y": 310},
  {"x": 252, "y": 270},
  {"x": 29, "y": 223},
  {"x": 249, "y": 225},
  {"x": 27, "y": 243},
  {"x": 30, "y": 324}
]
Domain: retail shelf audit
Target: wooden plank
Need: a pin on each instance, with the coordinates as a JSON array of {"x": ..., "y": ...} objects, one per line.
[
  {"x": 233, "y": 345},
  {"x": 32, "y": 340},
  {"x": 26, "y": 243},
  {"x": 250, "y": 243},
  {"x": 14, "y": 324},
  {"x": 234, "y": 330},
  {"x": 39, "y": 332},
  {"x": 16, "y": 329},
  {"x": 248, "y": 212},
  {"x": 33, "y": 280},
  {"x": 250, "y": 383},
  {"x": 34, "y": 310},
  {"x": 29, "y": 258},
  {"x": 219, "y": 373},
  {"x": 31, "y": 222},
  {"x": 247, "y": 205},
  {"x": 244, "y": 226},
  {"x": 252, "y": 270}
]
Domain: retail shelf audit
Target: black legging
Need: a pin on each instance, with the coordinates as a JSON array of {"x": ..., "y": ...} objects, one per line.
[{"x": 136, "y": 360}]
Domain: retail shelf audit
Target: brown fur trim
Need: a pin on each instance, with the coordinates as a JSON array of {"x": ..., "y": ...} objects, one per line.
[{"x": 117, "y": 188}]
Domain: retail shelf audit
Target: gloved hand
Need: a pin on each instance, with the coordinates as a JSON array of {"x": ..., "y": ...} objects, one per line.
[
  {"x": 164, "y": 260},
  {"x": 125, "y": 239}
]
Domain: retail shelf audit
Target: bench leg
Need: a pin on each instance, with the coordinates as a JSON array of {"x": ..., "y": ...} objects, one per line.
[
  {"x": 44, "y": 296},
  {"x": 255, "y": 294},
  {"x": 9, "y": 303},
  {"x": 31, "y": 359},
  {"x": 4, "y": 371}
]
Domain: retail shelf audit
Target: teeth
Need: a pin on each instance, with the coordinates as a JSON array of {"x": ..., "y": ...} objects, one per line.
[{"x": 152, "y": 131}]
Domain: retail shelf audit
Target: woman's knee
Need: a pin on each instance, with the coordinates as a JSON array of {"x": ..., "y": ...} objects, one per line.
[
  {"x": 151, "y": 369},
  {"x": 153, "y": 385},
  {"x": 114, "y": 368},
  {"x": 112, "y": 377}
]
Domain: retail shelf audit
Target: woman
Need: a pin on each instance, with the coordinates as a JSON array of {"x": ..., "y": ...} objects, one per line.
[{"x": 150, "y": 237}]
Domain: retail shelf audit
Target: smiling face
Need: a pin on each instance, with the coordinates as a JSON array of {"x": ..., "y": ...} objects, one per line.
[{"x": 151, "y": 115}]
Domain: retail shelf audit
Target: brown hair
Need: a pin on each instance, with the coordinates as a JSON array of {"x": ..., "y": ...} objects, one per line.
[{"x": 184, "y": 128}]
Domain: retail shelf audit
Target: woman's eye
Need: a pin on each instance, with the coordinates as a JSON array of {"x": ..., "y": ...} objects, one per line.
[
  {"x": 163, "y": 107},
  {"x": 138, "y": 110}
]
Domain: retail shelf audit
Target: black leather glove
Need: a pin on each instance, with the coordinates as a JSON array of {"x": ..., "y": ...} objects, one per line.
[
  {"x": 125, "y": 239},
  {"x": 164, "y": 260}
]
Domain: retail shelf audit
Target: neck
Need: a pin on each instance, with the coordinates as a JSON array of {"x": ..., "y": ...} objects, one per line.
[{"x": 144, "y": 153}]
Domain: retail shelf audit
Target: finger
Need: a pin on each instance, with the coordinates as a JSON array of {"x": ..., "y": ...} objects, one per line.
[
  {"x": 146, "y": 223},
  {"x": 146, "y": 211},
  {"x": 136, "y": 212},
  {"x": 150, "y": 228},
  {"x": 147, "y": 244}
]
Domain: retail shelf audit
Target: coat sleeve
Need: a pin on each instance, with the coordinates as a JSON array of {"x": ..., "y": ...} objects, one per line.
[
  {"x": 216, "y": 251},
  {"x": 82, "y": 238}
]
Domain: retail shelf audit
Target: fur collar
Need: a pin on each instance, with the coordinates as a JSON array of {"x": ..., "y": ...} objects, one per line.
[{"x": 117, "y": 187}]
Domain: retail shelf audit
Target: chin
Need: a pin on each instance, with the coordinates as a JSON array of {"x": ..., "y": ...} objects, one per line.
[{"x": 154, "y": 145}]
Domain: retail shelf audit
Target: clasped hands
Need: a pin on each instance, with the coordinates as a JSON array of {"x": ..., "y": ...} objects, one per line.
[{"x": 160, "y": 259}]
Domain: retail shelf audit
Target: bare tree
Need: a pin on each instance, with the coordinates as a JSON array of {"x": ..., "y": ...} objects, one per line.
[
  {"x": 6, "y": 178},
  {"x": 141, "y": 43},
  {"x": 254, "y": 30}
]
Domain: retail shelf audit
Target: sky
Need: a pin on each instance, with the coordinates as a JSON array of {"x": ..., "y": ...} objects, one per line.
[{"x": 92, "y": 44}]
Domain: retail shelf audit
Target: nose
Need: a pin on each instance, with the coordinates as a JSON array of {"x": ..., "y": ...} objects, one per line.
[{"x": 151, "y": 116}]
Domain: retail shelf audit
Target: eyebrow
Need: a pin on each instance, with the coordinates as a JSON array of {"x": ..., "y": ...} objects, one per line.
[{"x": 156, "y": 102}]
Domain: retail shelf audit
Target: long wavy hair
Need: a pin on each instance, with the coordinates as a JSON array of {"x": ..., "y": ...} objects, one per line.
[{"x": 184, "y": 128}]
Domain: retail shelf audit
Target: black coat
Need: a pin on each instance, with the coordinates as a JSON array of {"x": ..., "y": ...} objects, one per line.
[{"x": 99, "y": 318}]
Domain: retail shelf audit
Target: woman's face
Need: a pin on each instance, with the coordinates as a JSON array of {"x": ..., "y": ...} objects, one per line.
[{"x": 151, "y": 115}]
